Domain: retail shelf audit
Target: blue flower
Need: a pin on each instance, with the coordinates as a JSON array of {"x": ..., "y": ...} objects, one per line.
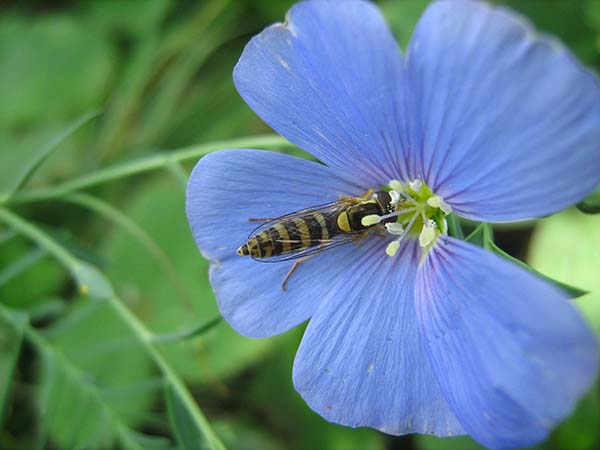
[{"x": 481, "y": 115}]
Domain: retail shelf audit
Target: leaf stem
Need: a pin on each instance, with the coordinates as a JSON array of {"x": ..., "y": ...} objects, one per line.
[
  {"x": 153, "y": 162},
  {"x": 142, "y": 334},
  {"x": 189, "y": 333}
]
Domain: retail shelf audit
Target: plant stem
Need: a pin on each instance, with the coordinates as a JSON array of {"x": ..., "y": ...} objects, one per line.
[
  {"x": 141, "y": 165},
  {"x": 142, "y": 334},
  {"x": 146, "y": 338}
]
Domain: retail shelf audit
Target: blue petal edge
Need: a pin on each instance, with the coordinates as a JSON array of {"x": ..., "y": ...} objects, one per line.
[
  {"x": 511, "y": 354},
  {"x": 361, "y": 361}
]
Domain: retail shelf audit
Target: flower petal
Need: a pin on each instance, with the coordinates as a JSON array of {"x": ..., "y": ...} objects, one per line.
[
  {"x": 511, "y": 355},
  {"x": 329, "y": 80},
  {"x": 361, "y": 361},
  {"x": 227, "y": 188},
  {"x": 507, "y": 122}
]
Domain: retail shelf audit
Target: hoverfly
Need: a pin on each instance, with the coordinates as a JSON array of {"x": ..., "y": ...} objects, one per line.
[{"x": 302, "y": 234}]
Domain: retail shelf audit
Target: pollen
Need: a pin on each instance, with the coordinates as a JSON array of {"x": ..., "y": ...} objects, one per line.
[
  {"x": 420, "y": 214},
  {"x": 370, "y": 220},
  {"x": 394, "y": 228},
  {"x": 428, "y": 234},
  {"x": 438, "y": 202},
  {"x": 392, "y": 248}
]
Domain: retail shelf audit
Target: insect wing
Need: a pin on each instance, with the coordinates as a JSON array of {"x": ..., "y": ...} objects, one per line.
[
  {"x": 323, "y": 209},
  {"x": 326, "y": 245},
  {"x": 326, "y": 210}
]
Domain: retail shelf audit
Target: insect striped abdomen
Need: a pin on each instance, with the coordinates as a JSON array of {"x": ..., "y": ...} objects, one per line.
[{"x": 292, "y": 235}]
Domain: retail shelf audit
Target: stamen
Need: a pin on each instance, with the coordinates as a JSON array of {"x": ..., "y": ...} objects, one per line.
[
  {"x": 417, "y": 212},
  {"x": 371, "y": 219},
  {"x": 438, "y": 202},
  {"x": 397, "y": 213},
  {"x": 423, "y": 216},
  {"x": 415, "y": 185},
  {"x": 428, "y": 234},
  {"x": 394, "y": 228},
  {"x": 409, "y": 198},
  {"x": 392, "y": 248},
  {"x": 396, "y": 186}
]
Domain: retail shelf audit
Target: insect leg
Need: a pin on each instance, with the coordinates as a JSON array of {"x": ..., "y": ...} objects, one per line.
[
  {"x": 260, "y": 219},
  {"x": 293, "y": 268},
  {"x": 367, "y": 195}
]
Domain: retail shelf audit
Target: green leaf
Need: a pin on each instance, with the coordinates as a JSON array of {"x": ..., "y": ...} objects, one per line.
[
  {"x": 454, "y": 226},
  {"x": 20, "y": 265},
  {"x": 25, "y": 279},
  {"x": 566, "y": 246},
  {"x": 240, "y": 433},
  {"x": 124, "y": 222},
  {"x": 581, "y": 431},
  {"x": 189, "y": 436},
  {"x": 54, "y": 67},
  {"x": 571, "y": 290},
  {"x": 72, "y": 408},
  {"x": 148, "y": 163},
  {"x": 91, "y": 281},
  {"x": 17, "y": 166},
  {"x": 402, "y": 17},
  {"x": 482, "y": 236},
  {"x": 11, "y": 336},
  {"x": 192, "y": 332},
  {"x": 590, "y": 204},
  {"x": 158, "y": 208},
  {"x": 135, "y": 18},
  {"x": 103, "y": 348},
  {"x": 140, "y": 333},
  {"x": 271, "y": 392},
  {"x": 425, "y": 442},
  {"x": 564, "y": 19},
  {"x": 187, "y": 48}
]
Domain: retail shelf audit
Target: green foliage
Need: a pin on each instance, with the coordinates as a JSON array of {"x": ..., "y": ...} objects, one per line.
[
  {"x": 54, "y": 67},
  {"x": 159, "y": 209},
  {"x": 11, "y": 338},
  {"x": 567, "y": 247},
  {"x": 590, "y": 204},
  {"x": 187, "y": 435},
  {"x": 16, "y": 166}
]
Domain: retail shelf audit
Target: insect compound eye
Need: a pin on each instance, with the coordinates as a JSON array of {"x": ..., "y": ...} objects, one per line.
[{"x": 385, "y": 201}]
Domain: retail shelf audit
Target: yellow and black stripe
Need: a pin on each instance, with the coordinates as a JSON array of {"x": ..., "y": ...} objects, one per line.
[
  {"x": 316, "y": 228},
  {"x": 292, "y": 235}
]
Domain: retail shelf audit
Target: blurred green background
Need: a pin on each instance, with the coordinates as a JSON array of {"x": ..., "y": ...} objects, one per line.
[{"x": 89, "y": 93}]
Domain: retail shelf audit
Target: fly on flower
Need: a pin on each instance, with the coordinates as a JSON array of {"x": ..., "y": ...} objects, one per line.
[
  {"x": 412, "y": 331},
  {"x": 399, "y": 210},
  {"x": 312, "y": 230},
  {"x": 308, "y": 232}
]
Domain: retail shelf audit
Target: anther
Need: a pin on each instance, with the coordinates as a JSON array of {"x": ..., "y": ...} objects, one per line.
[
  {"x": 395, "y": 197},
  {"x": 438, "y": 202},
  {"x": 415, "y": 185},
  {"x": 371, "y": 219},
  {"x": 428, "y": 234},
  {"x": 396, "y": 186},
  {"x": 392, "y": 248},
  {"x": 394, "y": 228}
]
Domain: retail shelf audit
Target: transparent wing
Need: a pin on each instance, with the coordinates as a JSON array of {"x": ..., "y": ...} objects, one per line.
[
  {"x": 326, "y": 244},
  {"x": 313, "y": 250},
  {"x": 323, "y": 209}
]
